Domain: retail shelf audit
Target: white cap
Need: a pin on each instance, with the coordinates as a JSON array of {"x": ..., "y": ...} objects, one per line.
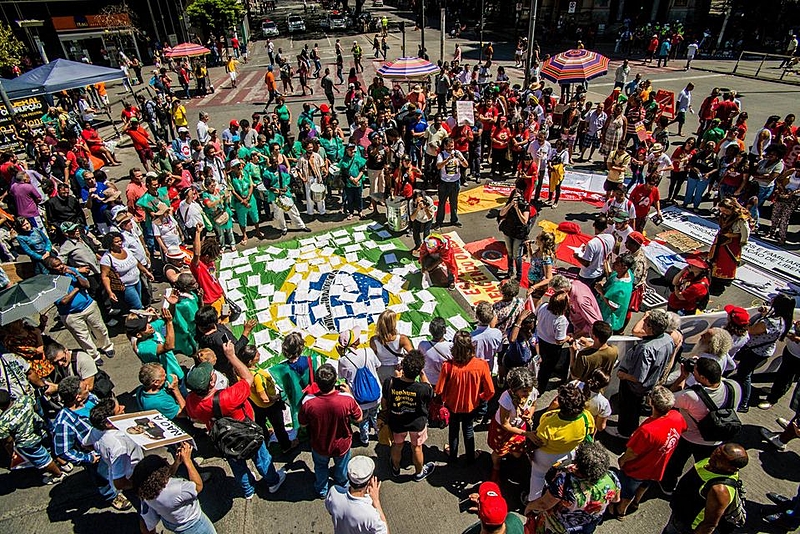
[{"x": 360, "y": 470}]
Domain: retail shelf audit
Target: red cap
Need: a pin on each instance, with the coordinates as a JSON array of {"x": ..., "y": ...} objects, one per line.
[
  {"x": 235, "y": 123},
  {"x": 492, "y": 507},
  {"x": 325, "y": 108},
  {"x": 638, "y": 237},
  {"x": 694, "y": 261},
  {"x": 737, "y": 315}
]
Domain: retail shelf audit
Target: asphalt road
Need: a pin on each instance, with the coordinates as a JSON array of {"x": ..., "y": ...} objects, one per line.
[{"x": 411, "y": 508}]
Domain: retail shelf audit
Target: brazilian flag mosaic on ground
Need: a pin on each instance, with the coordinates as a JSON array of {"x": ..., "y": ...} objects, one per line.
[{"x": 324, "y": 283}]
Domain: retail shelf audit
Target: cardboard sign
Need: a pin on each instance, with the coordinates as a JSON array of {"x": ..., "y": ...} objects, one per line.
[
  {"x": 30, "y": 111},
  {"x": 150, "y": 430},
  {"x": 465, "y": 112}
]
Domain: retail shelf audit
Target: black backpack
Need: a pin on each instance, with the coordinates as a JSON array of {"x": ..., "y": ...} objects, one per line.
[
  {"x": 721, "y": 423},
  {"x": 239, "y": 440}
]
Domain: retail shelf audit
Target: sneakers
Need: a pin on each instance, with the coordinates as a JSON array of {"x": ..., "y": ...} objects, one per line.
[
  {"x": 779, "y": 499},
  {"x": 396, "y": 470},
  {"x": 49, "y": 480},
  {"x": 306, "y": 229},
  {"x": 99, "y": 362},
  {"x": 67, "y": 467},
  {"x": 281, "y": 480},
  {"x": 458, "y": 224},
  {"x": 774, "y": 439},
  {"x": 743, "y": 409},
  {"x": 614, "y": 432},
  {"x": 121, "y": 503},
  {"x": 782, "y": 422},
  {"x": 765, "y": 405},
  {"x": 110, "y": 353},
  {"x": 427, "y": 469},
  {"x": 112, "y": 322}
]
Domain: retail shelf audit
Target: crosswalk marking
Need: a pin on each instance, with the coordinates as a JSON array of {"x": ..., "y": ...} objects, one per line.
[{"x": 241, "y": 85}]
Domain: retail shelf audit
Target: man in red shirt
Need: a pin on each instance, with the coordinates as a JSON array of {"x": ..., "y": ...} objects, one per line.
[
  {"x": 328, "y": 415},
  {"x": 649, "y": 449},
  {"x": 203, "y": 267},
  {"x": 706, "y": 112},
  {"x": 134, "y": 192},
  {"x": 141, "y": 142},
  {"x": 97, "y": 146},
  {"x": 487, "y": 114},
  {"x": 501, "y": 137},
  {"x": 690, "y": 287},
  {"x": 726, "y": 111},
  {"x": 232, "y": 402},
  {"x": 643, "y": 197}
]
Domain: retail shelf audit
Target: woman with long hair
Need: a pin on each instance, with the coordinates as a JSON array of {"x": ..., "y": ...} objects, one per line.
[
  {"x": 512, "y": 421},
  {"x": 680, "y": 168},
  {"x": 513, "y": 223},
  {"x": 541, "y": 258},
  {"x": 33, "y": 242},
  {"x": 785, "y": 200},
  {"x": 771, "y": 327},
  {"x": 464, "y": 384},
  {"x": 172, "y": 501},
  {"x": 551, "y": 333},
  {"x": 726, "y": 250},
  {"x": 217, "y": 208},
  {"x": 388, "y": 345}
]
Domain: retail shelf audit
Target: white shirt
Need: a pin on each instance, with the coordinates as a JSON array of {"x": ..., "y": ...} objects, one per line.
[
  {"x": 133, "y": 243},
  {"x": 693, "y": 409},
  {"x": 691, "y": 50},
  {"x": 434, "y": 358},
  {"x": 192, "y": 214},
  {"x": 119, "y": 452},
  {"x": 177, "y": 503},
  {"x": 596, "y": 122},
  {"x": 353, "y": 515},
  {"x": 539, "y": 151},
  {"x": 202, "y": 132},
  {"x": 550, "y": 328},
  {"x": 684, "y": 101},
  {"x": 595, "y": 252}
]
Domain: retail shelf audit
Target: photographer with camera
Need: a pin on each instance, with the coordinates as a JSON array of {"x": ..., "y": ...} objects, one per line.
[{"x": 514, "y": 221}]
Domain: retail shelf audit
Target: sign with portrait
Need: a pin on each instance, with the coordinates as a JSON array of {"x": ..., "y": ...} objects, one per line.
[{"x": 150, "y": 429}]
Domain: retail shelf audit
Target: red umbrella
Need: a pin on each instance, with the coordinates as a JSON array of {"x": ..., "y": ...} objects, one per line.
[
  {"x": 187, "y": 50},
  {"x": 575, "y": 66}
]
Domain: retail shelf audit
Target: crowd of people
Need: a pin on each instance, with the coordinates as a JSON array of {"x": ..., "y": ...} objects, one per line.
[{"x": 175, "y": 219}]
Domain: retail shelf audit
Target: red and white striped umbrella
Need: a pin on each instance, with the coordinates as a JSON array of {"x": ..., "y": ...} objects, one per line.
[
  {"x": 187, "y": 50},
  {"x": 408, "y": 69},
  {"x": 575, "y": 66}
]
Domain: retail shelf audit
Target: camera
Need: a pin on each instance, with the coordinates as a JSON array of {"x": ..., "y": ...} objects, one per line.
[{"x": 688, "y": 364}]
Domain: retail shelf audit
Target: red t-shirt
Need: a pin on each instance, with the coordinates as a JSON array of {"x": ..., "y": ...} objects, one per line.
[
  {"x": 497, "y": 142},
  {"x": 233, "y": 403},
  {"x": 328, "y": 421},
  {"x": 691, "y": 293},
  {"x": 212, "y": 290},
  {"x": 726, "y": 109},
  {"x": 488, "y": 111},
  {"x": 141, "y": 141},
  {"x": 654, "y": 442},
  {"x": 643, "y": 199}
]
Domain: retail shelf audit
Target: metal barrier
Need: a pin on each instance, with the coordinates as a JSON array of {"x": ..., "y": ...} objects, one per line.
[{"x": 786, "y": 61}]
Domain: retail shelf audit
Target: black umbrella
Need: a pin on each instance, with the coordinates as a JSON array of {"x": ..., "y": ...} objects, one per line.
[{"x": 31, "y": 297}]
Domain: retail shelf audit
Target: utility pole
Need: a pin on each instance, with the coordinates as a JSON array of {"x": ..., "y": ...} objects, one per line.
[
  {"x": 531, "y": 34},
  {"x": 403, "y": 33},
  {"x": 728, "y": 9},
  {"x": 483, "y": 18},
  {"x": 441, "y": 44},
  {"x": 422, "y": 29}
]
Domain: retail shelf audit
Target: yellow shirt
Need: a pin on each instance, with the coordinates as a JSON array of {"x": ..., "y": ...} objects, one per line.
[
  {"x": 179, "y": 116},
  {"x": 561, "y": 436},
  {"x": 231, "y": 66},
  {"x": 262, "y": 383}
]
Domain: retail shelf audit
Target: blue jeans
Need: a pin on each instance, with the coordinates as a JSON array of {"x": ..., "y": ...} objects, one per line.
[
  {"x": 694, "y": 191},
  {"x": 202, "y": 525},
  {"x": 352, "y": 200},
  {"x": 322, "y": 471},
  {"x": 99, "y": 473},
  {"x": 149, "y": 238},
  {"x": 264, "y": 466},
  {"x": 515, "y": 251},
  {"x": 726, "y": 191},
  {"x": 764, "y": 193},
  {"x": 370, "y": 419},
  {"x": 748, "y": 363},
  {"x": 133, "y": 296}
]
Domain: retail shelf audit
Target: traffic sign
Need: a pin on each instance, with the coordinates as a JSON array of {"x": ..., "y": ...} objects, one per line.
[{"x": 572, "y": 7}]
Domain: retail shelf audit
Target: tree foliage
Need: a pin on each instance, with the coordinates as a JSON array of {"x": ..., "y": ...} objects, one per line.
[
  {"x": 11, "y": 48},
  {"x": 215, "y": 15}
]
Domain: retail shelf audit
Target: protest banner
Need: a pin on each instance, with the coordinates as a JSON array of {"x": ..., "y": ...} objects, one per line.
[
  {"x": 465, "y": 112},
  {"x": 29, "y": 111}
]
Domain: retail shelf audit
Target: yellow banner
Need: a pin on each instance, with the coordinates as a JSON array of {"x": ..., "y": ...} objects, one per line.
[{"x": 475, "y": 281}]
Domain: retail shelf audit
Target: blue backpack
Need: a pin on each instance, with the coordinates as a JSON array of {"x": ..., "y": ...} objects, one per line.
[{"x": 365, "y": 386}]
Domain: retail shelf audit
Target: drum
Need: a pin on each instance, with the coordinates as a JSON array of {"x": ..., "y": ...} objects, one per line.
[
  {"x": 285, "y": 203},
  {"x": 318, "y": 192},
  {"x": 397, "y": 214},
  {"x": 334, "y": 170}
]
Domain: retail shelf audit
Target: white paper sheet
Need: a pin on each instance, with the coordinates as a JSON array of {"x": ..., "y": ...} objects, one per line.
[
  {"x": 261, "y": 337},
  {"x": 284, "y": 326},
  {"x": 254, "y": 280},
  {"x": 459, "y": 322},
  {"x": 284, "y": 310},
  {"x": 405, "y": 328},
  {"x": 425, "y": 295},
  {"x": 264, "y": 316},
  {"x": 278, "y": 297},
  {"x": 428, "y": 307},
  {"x": 325, "y": 345},
  {"x": 349, "y": 297},
  {"x": 320, "y": 311},
  {"x": 317, "y": 329}
]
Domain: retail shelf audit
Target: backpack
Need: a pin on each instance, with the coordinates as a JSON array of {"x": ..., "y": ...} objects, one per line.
[
  {"x": 239, "y": 440},
  {"x": 365, "y": 386},
  {"x": 103, "y": 386},
  {"x": 735, "y": 515},
  {"x": 721, "y": 423}
]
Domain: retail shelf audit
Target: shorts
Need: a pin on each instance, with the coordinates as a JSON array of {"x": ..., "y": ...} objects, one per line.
[
  {"x": 145, "y": 154},
  {"x": 232, "y": 75},
  {"x": 36, "y": 455},
  {"x": 628, "y": 485},
  {"x": 417, "y": 439},
  {"x": 609, "y": 186},
  {"x": 592, "y": 141},
  {"x": 377, "y": 184},
  {"x": 680, "y": 118}
]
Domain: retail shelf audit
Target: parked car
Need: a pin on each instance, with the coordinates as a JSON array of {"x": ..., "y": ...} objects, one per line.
[
  {"x": 336, "y": 20},
  {"x": 377, "y": 3},
  {"x": 295, "y": 24},
  {"x": 269, "y": 29}
]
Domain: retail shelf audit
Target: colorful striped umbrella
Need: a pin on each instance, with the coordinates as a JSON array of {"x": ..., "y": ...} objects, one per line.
[
  {"x": 408, "y": 69},
  {"x": 575, "y": 66},
  {"x": 187, "y": 50}
]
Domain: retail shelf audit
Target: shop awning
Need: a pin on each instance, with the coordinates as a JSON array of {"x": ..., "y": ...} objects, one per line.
[{"x": 59, "y": 75}]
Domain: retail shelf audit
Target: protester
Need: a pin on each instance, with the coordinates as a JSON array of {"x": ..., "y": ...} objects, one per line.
[
  {"x": 358, "y": 368},
  {"x": 355, "y": 506},
  {"x": 508, "y": 430}
]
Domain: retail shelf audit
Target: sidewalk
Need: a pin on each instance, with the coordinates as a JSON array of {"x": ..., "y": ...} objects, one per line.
[{"x": 769, "y": 71}]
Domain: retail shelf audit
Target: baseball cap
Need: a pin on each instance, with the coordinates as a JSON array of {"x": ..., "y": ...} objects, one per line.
[
  {"x": 325, "y": 108},
  {"x": 235, "y": 162},
  {"x": 234, "y": 123},
  {"x": 492, "y": 507},
  {"x": 183, "y": 129},
  {"x": 737, "y": 315},
  {"x": 638, "y": 237},
  {"x": 621, "y": 216},
  {"x": 350, "y": 338},
  {"x": 360, "y": 470},
  {"x": 135, "y": 324},
  {"x": 134, "y": 119},
  {"x": 199, "y": 377},
  {"x": 68, "y": 226}
]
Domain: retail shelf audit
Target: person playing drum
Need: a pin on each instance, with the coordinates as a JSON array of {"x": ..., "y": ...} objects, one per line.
[
  {"x": 279, "y": 194},
  {"x": 312, "y": 170},
  {"x": 352, "y": 171},
  {"x": 437, "y": 253}
]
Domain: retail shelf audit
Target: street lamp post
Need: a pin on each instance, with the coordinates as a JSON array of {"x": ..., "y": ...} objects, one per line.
[
  {"x": 422, "y": 29},
  {"x": 531, "y": 34},
  {"x": 480, "y": 30}
]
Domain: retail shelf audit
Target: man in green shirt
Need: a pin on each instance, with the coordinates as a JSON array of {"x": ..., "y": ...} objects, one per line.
[
  {"x": 154, "y": 341},
  {"x": 153, "y": 198},
  {"x": 614, "y": 295},
  {"x": 352, "y": 169},
  {"x": 277, "y": 179}
]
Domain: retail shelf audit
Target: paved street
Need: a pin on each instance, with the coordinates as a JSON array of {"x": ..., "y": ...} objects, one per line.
[{"x": 411, "y": 508}]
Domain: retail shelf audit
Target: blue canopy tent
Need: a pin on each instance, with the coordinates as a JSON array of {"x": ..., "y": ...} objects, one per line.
[{"x": 59, "y": 75}]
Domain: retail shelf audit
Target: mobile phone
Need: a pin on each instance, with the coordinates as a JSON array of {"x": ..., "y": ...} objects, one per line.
[
  {"x": 226, "y": 338},
  {"x": 167, "y": 294},
  {"x": 465, "y": 505}
]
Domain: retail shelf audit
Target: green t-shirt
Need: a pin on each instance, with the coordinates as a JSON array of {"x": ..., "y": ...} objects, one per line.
[
  {"x": 147, "y": 350},
  {"x": 619, "y": 292},
  {"x": 149, "y": 203},
  {"x": 161, "y": 401},
  {"x": 282, "y": 112},
  {"x": 351, "y": 167},
  {"x": 514, "y": 525},
  {"x": 22, "y": 423},
  {"x": 277, "y": 180}
]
